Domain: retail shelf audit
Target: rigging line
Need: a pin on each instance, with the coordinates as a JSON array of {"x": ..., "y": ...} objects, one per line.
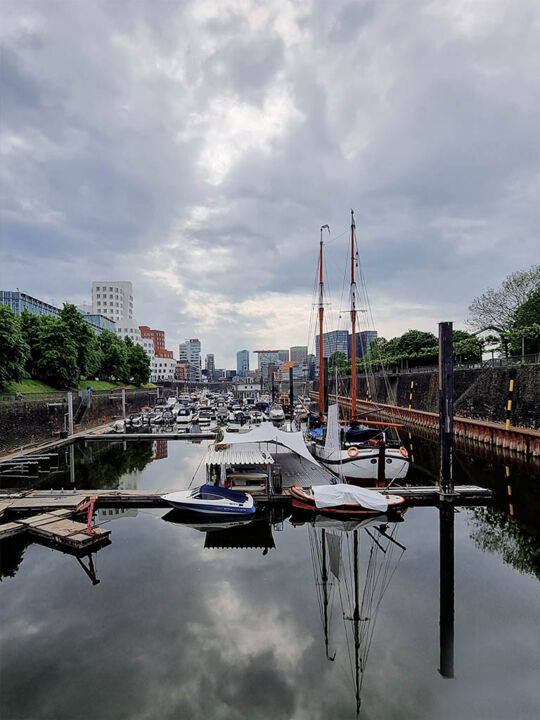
[{"x": 196, "y": 471}]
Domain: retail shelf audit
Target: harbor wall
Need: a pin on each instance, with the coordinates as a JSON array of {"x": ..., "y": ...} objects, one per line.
[
  {"x": 479, "y": 393},
  {"x": 34, "y": 420}
]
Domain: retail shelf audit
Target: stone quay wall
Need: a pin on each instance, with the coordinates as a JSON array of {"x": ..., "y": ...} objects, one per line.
[
  {"x": 34, "y": 420},
  {"x": 479, "y": 393}
]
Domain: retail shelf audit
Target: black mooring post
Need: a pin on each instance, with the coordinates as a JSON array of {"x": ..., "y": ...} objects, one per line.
[
  {"x": 273, "y": 388},
  {"x": 291, "y": 390},
  {"x": 381, "y": 475},
  {"x": 446, "y": 574},
  {"x": 446, "y": 410},
  {"x": 325, "y": 376}
]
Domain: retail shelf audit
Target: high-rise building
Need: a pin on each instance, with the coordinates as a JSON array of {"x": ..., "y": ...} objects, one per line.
[
  {"x": 189, "y": 353},
  {"x": 210, "y": 367},
  {"x": 265, "y": 358},
  {"x": 336, "y": 340},
  {"x": 298, "y": 353},
  {"x": 283, "y": 356},
  {"x": 242, "y": 363},
  {"x": 364, "y": 339},
  {"x": 114, "y": 299}
]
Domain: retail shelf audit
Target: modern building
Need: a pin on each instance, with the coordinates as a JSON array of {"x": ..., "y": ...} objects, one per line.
[
  {"x": 114, "y": 299},
  {"x": 283, "y": 356},
  {"x": 189, "y": 353},
  {"x": 181, "y": 372},
  {"x": 19, "y": 301},
  {"x": 336, "y": 340},
  {"x": 162, "y": 363},
  {"x": 364, "y": 339},
  {"x": 298, "y": 353},
  {"x": 242, "y": 363},
  {"x": 210, "y": 367},
  {"x": 266, "y": 358}
]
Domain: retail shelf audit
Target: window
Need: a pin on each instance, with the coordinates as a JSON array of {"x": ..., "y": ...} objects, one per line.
[{"x": 110, "y": 289}]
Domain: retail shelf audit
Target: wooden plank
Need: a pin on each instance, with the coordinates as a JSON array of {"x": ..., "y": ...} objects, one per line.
[{"x": 10, "y": 529}]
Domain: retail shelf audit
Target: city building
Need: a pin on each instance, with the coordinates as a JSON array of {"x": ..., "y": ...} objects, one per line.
[
  {"x": 181, "y": 372},
  {"x": 242, "y": 363},
  {"x": 114, "y": 299},
  {"x": 210, "y": 367},
  {"x": 19, "y": 301},
  {"x": 283, "y": 356},
  {"x": 265, "y": 358},
  {"x": 364, "y": 339},
  {"x": 162, "y": 362},
  {"x": 189, "y": 353},
  {"x": 334, "y": 341},
  {"x": 298, "y": 353}
]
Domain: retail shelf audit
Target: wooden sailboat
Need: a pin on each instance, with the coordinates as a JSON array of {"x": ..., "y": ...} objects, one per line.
[{"x": 353, "y": 453}]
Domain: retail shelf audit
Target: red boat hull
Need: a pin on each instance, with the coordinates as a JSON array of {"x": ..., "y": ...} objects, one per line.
[{"x": 301, "y": 500}]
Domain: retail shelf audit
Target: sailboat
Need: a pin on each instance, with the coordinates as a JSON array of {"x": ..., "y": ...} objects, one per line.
[
  {"x": 359, "y": 452},
  {"x": 353, "y": 565}
]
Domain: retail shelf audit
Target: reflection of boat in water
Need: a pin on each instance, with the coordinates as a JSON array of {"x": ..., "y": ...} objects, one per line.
[
  {"x": 212, "y": 500},
  {"x": 353, "y": 565},
  {"x": 232, "y": 533}
]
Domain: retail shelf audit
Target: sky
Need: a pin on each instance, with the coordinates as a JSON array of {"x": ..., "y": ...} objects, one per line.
[{"x": 196, "y": 148}]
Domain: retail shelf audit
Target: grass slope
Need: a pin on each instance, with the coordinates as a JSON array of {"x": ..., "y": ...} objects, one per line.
[{"x": 36, "y": 386}]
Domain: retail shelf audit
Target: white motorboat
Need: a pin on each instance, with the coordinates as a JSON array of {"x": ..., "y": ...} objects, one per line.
[
  {"x": 184, "y": 415},
  {"x": 276, "y": 413},
  {"x": 212, "y": 500}
]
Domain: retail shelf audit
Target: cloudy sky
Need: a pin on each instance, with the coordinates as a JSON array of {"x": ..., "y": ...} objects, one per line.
[{"x": 195, "y": 148}]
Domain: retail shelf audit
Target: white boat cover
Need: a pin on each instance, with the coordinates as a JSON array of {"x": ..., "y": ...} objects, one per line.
[
  {"x": 342, "y": 494},
  {"x": 267, "y": 433},
  {"x": 332, "y": 443}
]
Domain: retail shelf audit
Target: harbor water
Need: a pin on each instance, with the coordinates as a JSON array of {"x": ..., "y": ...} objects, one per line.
[{"x": 436, "y": 616}]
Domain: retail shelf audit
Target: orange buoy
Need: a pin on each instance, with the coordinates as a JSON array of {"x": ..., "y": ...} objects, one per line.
[{"x": 352, "y": 452}]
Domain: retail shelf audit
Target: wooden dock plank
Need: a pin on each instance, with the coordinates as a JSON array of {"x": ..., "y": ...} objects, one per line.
[{"x": 10, "y": 529}]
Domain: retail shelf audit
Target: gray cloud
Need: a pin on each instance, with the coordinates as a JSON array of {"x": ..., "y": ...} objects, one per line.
[{"x": 196, "y": 149}]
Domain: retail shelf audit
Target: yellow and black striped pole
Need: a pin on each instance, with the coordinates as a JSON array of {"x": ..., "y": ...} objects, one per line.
[
  {"x": 411, "y": 394},
  {"x": 509, "y": 405}
]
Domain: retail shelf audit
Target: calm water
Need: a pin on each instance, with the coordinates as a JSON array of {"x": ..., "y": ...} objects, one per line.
[{"x": 185, "y": 623}]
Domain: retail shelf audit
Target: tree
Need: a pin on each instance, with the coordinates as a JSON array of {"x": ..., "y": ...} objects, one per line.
[
  {"x": 14, "y": 351},
  {"x": 338, "y": 363},
  {"x": 30, "y": 325},
  {"x": 81, "y": 335},
  {"x": 57, "y": 354},
  {"x": 527, "y": 318},
  {"x": 138, "y": 365},
  {"x": 114, "y": 357},
  {"x": 496, "y": 309}
]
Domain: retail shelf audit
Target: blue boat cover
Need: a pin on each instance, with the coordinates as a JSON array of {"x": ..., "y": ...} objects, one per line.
[
  {"x": 234, "y": 495},
  {"x": 316, "y": 432}
]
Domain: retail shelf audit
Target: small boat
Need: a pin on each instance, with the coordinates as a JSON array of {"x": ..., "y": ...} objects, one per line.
[
  {"x": 276, "y": 413},
  {"x": 344, "y": 499},
  {"x": 184, "y": 415},
  {"x": 212, "y": 500},
  {"x": 119, "y": 426}
]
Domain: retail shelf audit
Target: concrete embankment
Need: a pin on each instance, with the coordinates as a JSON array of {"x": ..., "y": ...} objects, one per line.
[{"x": 37, "y": 419}]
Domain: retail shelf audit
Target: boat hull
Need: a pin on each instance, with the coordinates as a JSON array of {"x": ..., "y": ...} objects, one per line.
[
  {"x": 304, "y": 500},
  {"x": 363, "y": 467}
]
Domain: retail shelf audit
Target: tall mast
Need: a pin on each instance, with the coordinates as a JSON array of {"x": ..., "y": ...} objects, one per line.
[
  {"x": 353, "y": 323},
  {"x": 321, "y": 315}
]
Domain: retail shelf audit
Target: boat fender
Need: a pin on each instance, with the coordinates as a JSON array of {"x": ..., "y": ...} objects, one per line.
[
  {"x": 352, "y": 452},
  {"x": 404, "y": 452},
  {"x": 373, "y": 442}
]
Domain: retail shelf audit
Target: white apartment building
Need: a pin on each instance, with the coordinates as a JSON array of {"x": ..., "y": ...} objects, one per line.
[
  {"x": 114, "y": 300},
  {"x": 162, "y": 368}
]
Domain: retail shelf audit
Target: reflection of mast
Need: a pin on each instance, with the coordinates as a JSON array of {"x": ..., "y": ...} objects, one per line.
[
  {"x": 356, "y": 620},
  {"x": 324, "y": 578}
]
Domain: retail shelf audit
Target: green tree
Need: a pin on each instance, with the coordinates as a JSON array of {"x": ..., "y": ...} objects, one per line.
[
  {"x": 114, "y": 357},
  {"x": 94, "y": 357},
  {"x": 138, "y": 365},
  {"x": 338, "y": 363},
  {"x": 527, "y": 317},
  {"x": 57, "y": 360},
  {"x": 14, "y": 351},
  {"x": 30, "y": 325},
  {"x": 81, "y": 335}
]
